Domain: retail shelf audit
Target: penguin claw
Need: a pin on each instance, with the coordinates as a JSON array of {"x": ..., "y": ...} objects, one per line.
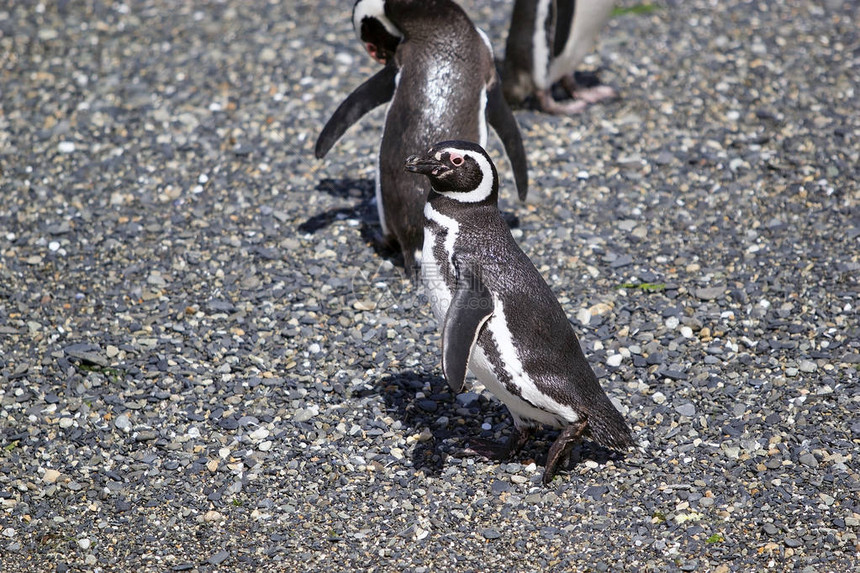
[{"x": 559, "y": 452}]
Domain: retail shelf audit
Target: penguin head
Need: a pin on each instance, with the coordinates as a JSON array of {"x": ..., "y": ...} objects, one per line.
[
  {"x": 459, "y": 170},
  {"x": 376, "y": 31}
]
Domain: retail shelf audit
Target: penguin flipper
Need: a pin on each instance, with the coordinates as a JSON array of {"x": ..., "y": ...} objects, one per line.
[
  {"x": 502, "y": 120},
  {"x": 369, "y": 95},
  {"x": 471, "y": 306}
]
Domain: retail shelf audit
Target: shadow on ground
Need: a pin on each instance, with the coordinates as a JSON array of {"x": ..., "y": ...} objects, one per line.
[
  {"x": 465, "y": 421},
  {"x": 364, "y": 210}
]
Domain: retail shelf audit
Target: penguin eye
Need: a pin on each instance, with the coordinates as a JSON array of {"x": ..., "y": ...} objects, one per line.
[{"x": 456, "y": 159}]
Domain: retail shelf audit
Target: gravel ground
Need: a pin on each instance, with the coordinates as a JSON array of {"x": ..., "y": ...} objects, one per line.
[{"x": 206, "y": 366}]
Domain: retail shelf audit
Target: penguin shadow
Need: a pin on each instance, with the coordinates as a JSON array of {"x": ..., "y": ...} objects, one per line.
[
  {"x": 464, "y": 423},
  {"x": 366, "y": 212},
  {"x": 420, "y": 414}
]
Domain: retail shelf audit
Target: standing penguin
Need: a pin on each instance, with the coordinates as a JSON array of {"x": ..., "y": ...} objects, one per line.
[
  {"x": 547, "y": 39},
  {"x": 499, "y": 318},
  {"x": 441, "y": 81}
]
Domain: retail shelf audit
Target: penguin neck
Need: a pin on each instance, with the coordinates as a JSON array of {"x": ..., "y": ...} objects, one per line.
[{"x": 422, "y": 19}]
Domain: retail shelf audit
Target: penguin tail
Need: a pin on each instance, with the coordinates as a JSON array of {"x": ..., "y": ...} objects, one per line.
[{"x": 609, "y": 429}]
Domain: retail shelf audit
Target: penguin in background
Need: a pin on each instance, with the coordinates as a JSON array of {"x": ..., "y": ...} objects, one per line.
[
  {"x": 499, "y": 318},
  {"x": 547, "y": 39},
  {"x": 440, "y": 79}
]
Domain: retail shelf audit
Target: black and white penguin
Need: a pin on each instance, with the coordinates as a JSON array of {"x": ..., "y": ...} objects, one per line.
[
  {"x": 547, "y": 39},
  {"x": 442, "y": 84},
  {"x": 499, "y": 317}
]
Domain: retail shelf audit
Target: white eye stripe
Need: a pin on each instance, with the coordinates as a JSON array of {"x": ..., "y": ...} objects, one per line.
[{"x": 484, "y": 188}]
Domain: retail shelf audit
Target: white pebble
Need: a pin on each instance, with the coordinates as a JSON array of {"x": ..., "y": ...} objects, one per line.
[
  {"x": 808, "y": 366},
  {"x": 614, "y": 360},
  {"x": 583, "y": 316},
  {"x": 265, "y": 446},
  {"x": 672, "y": 322},
  {"x": 66, "y": 147},
  {"x": 122, "y": 422},
  {"x": 259, "y": 434},
  {"x": 202, "y": 178},
  {"x": 486, "y": 426},
  {"x": 314, "y": 348},
  {"x": 686, "y": 332},
  {"x": 658, "y": 398},
  {"x": 84, "y": 543},
  {"x": 66, "y": 422},
  {"x": 54, "y": 246}
]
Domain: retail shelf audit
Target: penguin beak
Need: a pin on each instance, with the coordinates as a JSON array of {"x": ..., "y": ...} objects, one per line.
[{"x": 425, "y": 165}]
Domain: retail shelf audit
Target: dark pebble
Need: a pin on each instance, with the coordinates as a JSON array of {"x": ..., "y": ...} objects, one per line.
[
  {"x": 218, "y": 558},
  {"x": 428, "y": 405}
]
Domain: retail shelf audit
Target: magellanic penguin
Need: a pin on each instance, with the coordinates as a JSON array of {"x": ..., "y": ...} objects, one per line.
[
  {"x": 499, "y": 318},
  {"x": 547, "y": 39},
  {"x": 442, "y": 84}
]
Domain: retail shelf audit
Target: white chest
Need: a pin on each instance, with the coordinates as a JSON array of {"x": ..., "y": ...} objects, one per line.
[
  {"x": 443, "y": 234},
  {"x": 432, "y": 276}
]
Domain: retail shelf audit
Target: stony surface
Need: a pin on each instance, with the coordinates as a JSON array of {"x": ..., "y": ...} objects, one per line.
[{"x": 206, "y": 366}]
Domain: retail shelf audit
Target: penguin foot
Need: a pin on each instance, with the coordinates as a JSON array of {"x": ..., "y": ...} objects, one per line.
[
  {"x": 547, "y": 104},
  {"x": 560, "y": 449},
  {"x": 588, "y": 94},
  {"x": 496, "y": 451}
]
